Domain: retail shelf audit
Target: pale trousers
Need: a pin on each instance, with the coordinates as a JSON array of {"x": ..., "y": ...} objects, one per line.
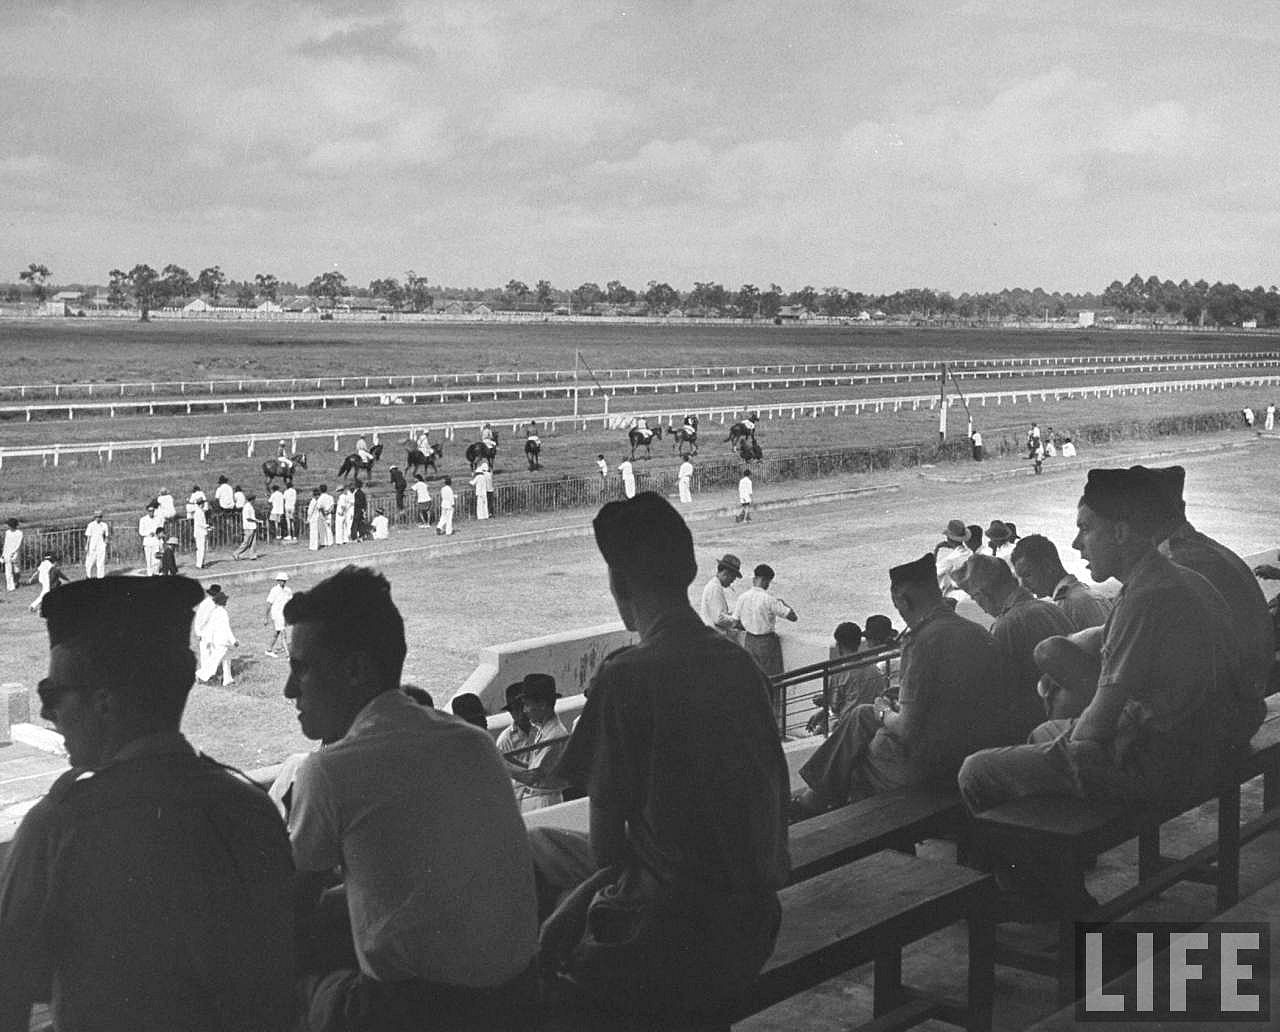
[
  {"x": 10, "y": 575},
  {"x": 200, "y": 536},
  {"x": 445, "y": 526},
  {"x": 214, "y": 657},
  {"x": 686, "y": 495},
  {"x": 95, "y": 558}
]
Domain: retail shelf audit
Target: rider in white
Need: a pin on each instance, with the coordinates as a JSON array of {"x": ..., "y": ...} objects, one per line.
[
  {"x": 362, "y": 449},
  {"x": 531, "y": 432},
  {"x": 750, "y": 421},
  {"x": 282, "y": 456},
  {"x": 424, "y": 442},
  {"x": 486, "y": 433}
]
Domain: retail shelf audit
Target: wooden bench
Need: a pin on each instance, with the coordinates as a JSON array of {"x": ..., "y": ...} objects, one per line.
[
  {"x": 868, "y": 911},
  {"x": 1060, "y": 835},
  {"x": 888, "y": 820}
]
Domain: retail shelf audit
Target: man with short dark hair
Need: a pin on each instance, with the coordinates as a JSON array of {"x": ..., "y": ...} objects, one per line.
[
  {"x": 1039, "y": 568},
  {"x": 955, "y": 698},
  {"x": 756, "y": 611},
  {"x": 150, "y": 888},
  {"x": 688, "y": 832},
  {"x": 416, "y": 808}
]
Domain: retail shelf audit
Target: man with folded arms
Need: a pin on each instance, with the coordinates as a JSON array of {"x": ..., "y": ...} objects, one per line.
[
  {"x": 416, "y": 810},
  {"x": 149, "y": 889}
]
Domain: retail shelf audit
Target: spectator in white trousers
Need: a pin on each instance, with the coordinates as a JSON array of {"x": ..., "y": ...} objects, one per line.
[
  {"x": 216, "y": 639},
  {"x": 684, "y": 480},
  {"x": 445, "y": 524},
  {"x": 95, "y": 546}
]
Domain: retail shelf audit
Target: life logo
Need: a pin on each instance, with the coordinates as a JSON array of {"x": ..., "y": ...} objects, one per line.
[{"x": 1136, "y": 971}]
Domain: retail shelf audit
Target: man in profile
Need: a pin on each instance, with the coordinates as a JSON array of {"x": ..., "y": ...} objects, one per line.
[
  {"x": 688, "y": 839},
  {"x": 1039, "y": 568},
  {"x": 150, "y": 888},
  {"x": 417, "y": 810}
]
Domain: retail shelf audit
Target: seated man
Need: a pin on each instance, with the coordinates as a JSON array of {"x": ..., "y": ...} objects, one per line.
[
  {"x": 1022, "y": 622},
  {"x": 855, "y": 686},
  {"x": 1038, "y": 566},
  {"x": 150, "y": 888},
  {"x": 955, "y": 699},
  {"x": 1170, "y": 711},
  {"x": 688, "y": 840},
  {"x": 536, "y": 783},
  {"x": 416, "y": 809}
]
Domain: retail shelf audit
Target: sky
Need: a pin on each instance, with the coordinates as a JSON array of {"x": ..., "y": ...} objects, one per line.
[{"x": 876, "y": 145}]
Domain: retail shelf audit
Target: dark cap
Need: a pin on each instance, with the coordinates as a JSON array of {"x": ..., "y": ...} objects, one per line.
[
  {"x": 213, "y": 589},
  {"x": 1171, "y": 481},
  {"x": 730, "y": 562},
  {"x": 764, "y": 570},
  {"x": 139, "y": 611},
  {"x": 922, "y": 571},
  {"x": 999, "y": 532},
  {"x": 879, "y": 628},
  {"x": 848, "y": 634},
  {"x": 646, "y": 538},
  {"x": 1135, "y": 495},
  {"x": 539, "y": 687},
  {"x": 469, "y": 707}
]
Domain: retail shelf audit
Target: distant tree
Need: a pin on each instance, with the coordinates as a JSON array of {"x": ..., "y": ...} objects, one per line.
[
  {"x": 748, "y": 300},
  {"x": 660, "y": 297},
  {"x": 268, "y": 286},
  {"x": 771, "y": 301},
  {"x": 147, "y": 289},
  {"x": 331, "y": 285},
  {"x": 617, "y": 294},
  {"x": 417, "y": 295},
  {"x": 13, "y": 295},
  {"x": 245, "y": 294},
  {"x": 832, "y": 302},
  {"x": 389, "y": 290},
  {"x": 516, "y": 292},
  {"x": 587, "y": 294},
  {"x": 211, "y": 281},
  {"x": 38, "y": 277},
  {"x": 806, "y": 297},
  {"x": 175, "y": 284},
  {"x": 542, "y": 294},
  {"x": 118, "y": 288}
]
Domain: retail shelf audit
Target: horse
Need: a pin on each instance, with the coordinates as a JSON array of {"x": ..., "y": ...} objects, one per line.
[
  {"x": 748, "y": 448},
  {"x": 416, "y": 458},
  {"x": 273, "y": 468},
  {"x": 643, "y": 437},
  {"x": 353, "y": 463},
  {"x": 740, "y": 430},
  {"x": 477, "y": 450},
  {"x": 684, "y": 438},
  {"x": 532, "y": 449}
]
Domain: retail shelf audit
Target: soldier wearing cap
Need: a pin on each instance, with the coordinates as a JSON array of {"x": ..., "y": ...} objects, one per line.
[
  {"x": 688, "y": 832},
  {"x": 1170, "y": 709},
  {"x": 714, "y": 606},
  {"x": 955, "y": 698},
  {"x": 150, "y": 889}
]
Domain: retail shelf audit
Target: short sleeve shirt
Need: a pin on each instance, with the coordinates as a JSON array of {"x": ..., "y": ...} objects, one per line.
[
  {"x": 759, "y": 611},
  {"x": 744, "y": 491},
  {"x": 714, "y": 602},
  {"x": 1084, "y": 608}
]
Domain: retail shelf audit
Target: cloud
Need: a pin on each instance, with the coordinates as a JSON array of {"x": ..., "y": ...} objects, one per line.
[
  {"x": 563, "y": 114},
  {"x": 373, "y": 42},
  {"x": 418, "y": 140}
]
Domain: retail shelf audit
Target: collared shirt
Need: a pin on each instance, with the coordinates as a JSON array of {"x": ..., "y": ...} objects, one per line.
[
  {"x": 96, "y": 534},
  {"x": 421, "y": 492},
  {"x": 224, "y": 495},
  {"x": 758, "y": 611},
  {"x": 152, "y": 893},
  {"x": 949, "y": 560},
  {"x": 545, "y": 759},
  {"x": 714, "y": 605},
  {"x": 1022, "y": 624},
  {"x": 707, "y": 811},
  {"x": 248, "y": 518},
  {"x": 446, "y": 497},
  {"x": 148, "y": 525},
  {"x": 290, "y": 500},
  {"x": 514, "y": 737},
  {"x": 417, "y": 808},
  {"x": 744, "y": 491},
  {"x": 1239, "y": 588},
  {"x": 277, "y": 504},
  {"x": 1083, "y": 606},
  {"x": 12, "y": 544},
  {"x": 686, "y": 471},
  {"x": 955, "y": 696},
  {"x": 165, "y": 508}
]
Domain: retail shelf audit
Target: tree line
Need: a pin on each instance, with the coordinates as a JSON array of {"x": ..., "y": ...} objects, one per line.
[{"x": 1218, "y": 304}]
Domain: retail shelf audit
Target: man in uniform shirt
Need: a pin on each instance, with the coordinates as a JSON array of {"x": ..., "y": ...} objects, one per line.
[
  {"x": 417, "y": 809},
  {"x": 688, "y": 833},
  {"x": 150, "y": 889},
  {"x": 714, "y": 607},
  {"x": 95, "y": 546},
  {"x": 1039, "y": 567}
]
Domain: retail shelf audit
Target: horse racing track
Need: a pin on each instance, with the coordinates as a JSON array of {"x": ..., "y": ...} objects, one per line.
[{"x": 118, "y": 431}]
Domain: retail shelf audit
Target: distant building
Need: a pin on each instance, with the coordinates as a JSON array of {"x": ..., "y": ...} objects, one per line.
[{"x": 1084, "y": 319}]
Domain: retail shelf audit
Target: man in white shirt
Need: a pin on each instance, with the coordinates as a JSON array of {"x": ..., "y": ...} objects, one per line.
[
  {"x": 445, "y": 525},
  {"x": 381, "y": 526},
  {"x": 149, "y": 531},
  {"x": 290, "y": 513},
  {"x": 684, "y": 481},
  {"x": 746, "y": 490},
  {"x": 237, "y": 498},
  {"x": 200, "y": 620},
  {"x": 416, "y": 808},
  {"x": 95, "y": 546},
  {"x": 195, "y": 500},
  {"x": 628, "y": 477},
  {"x": 275, "y": 516},
  {"x": 277, "y": 598},
  {"x": 714, "y": 607},
  {"x": 536, "y": 784},
  {"x": 422, "y": 499},
  {"x": 166, "y": 509},
  {"x": 951, "y": 554},
  {"x": 10, "y": 553},
  {"x": 326, "y": 505},
  {"x": 224, "y": 494},
  {"x": 216, "y": 640},
  {"x": 756, "y": 612},
  {"x": 1068, "y": 449},
  {"x": 249, "y": 524},
  {"x": 200, "y": 532}
]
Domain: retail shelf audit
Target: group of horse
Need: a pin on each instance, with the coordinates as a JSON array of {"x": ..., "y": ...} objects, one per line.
[{"x": 684, "y": 439}]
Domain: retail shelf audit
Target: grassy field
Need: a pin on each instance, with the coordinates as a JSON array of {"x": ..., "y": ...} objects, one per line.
[{"x": 109, "y": 351}]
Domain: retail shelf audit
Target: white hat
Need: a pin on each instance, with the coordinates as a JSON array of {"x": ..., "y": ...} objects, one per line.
[{"x": 282, "y": 575}]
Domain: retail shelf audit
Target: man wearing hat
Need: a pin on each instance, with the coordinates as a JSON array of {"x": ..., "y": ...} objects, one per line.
[
  {"x": 955, "y": 698},
  {"x": 416, "y": 808},
  {"x": 277, "y": 598},
  {"x": 95, "y": 546},
  {"x": 714, "y": 607},
  {"x": 535, "y": 780},
  {"x": 1170, "y": 710},
  {"x": 520, "y": 732},
  {"x": 688, "y": 832},
  {"x": 150, "y": 888},
  {"x": 149, "y": 526},
  {"x": 756, "y": 613},
  {"x": 1001, "y": 538},
  {"x": 950, "y": 554}
]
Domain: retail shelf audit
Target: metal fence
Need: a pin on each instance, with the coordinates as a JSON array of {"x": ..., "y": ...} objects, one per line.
[{"x": 798, "y": 702}]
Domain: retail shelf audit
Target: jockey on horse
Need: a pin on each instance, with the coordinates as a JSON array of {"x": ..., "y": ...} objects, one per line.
[
  {"x": 285, "y": 463},
  {"x": 362, "y": 449}
]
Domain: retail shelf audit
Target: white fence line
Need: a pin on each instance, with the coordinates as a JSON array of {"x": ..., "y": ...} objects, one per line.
[
  {"x": 392, "y": 381},
  {"x": 52, "y": 453},
  {"x": 470, "y": 394}
]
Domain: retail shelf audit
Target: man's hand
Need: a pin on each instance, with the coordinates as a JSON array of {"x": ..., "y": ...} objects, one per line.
[
  {"x": 1267, "y": 572},
  {"x": 563, "y": 930}
]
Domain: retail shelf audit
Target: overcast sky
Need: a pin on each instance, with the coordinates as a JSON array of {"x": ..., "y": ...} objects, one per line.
[{"x": 870, "y": 144}]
